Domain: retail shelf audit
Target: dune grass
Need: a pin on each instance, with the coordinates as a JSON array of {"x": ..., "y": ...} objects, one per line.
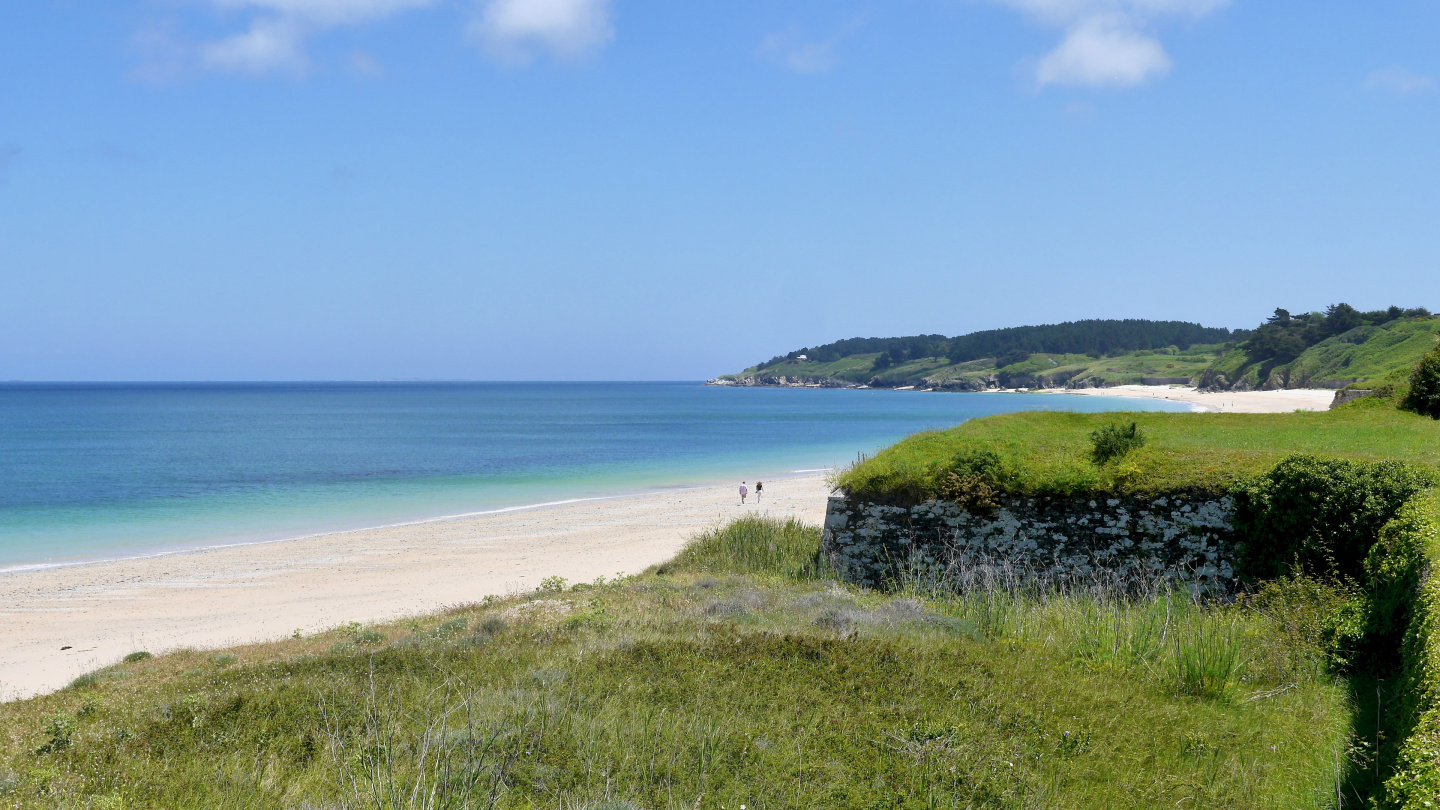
[
  {"x": 733, "y": 676},
  {"x": 1050, "y": 453}
]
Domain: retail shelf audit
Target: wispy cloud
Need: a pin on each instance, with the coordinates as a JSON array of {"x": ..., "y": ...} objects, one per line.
[
  {"x": 1107, "y": 42},
  {"x": 792, "y": 49},
  {"x": 516, "y": 31},
  {"x": 274, "y": 41},
  {"x": 1399, "y": 81},
  {"x": 364, "y": 64}
]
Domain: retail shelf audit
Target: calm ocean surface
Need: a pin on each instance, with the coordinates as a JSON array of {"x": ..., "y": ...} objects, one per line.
[{"x": 98, "y": 470}]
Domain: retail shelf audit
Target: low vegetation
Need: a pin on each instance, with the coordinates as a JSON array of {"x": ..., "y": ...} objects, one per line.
[
  {"x": 736, "y": 675},
  {"x": 1048, "y": 453}
]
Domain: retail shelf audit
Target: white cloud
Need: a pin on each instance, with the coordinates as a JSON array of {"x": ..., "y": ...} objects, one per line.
[
  {"x": 275, "y": 40},
  {"x": 326, "y": 13},
  {"x": 809, "y": 56},
  {"x": 788, "y": 48},
  {"x": 271, "y": 44},
  {"x": 1107, "y": 42},
  {"x": 1399, "y": 81},
  {"x": 1097, "y": 53},
  {"x": 513, "y": 31}
]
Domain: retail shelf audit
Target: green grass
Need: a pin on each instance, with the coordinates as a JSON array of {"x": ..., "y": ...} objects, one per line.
[
  {"x": 1049, "y": 453},
  {"x": 1371, "y": 355},
  {"x": 752, "y": 545},
  {"x": 728, "y": 677}
]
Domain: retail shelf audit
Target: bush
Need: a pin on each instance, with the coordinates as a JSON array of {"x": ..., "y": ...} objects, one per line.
[
  {"x": 1424, "y": 394},
  {"x": 974, "y": 480},
  {"x": 140, "y": 655},
  {"x": 61, "y": 730},
  {"x": 1317, "y": 516},
  {"x": 1320, "y": 621},
  {"x": 1115, "y": 441}
]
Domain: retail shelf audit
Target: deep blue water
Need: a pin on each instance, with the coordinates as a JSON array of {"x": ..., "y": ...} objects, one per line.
[{"x": 101, "y": 470}]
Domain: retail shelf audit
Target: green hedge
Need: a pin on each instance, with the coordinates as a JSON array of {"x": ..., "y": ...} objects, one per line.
[
  {"x": 1319, "y": 516},
  {"x": 1403, "y": 569}
]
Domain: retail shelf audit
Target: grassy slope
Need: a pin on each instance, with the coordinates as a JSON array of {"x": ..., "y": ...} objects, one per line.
[
  {"x": 1048, "y": 453},
  {"x": 1375, "y": 355},
  {"x": 716, "y": 683},
  {"x": 1119, "y": 370}
]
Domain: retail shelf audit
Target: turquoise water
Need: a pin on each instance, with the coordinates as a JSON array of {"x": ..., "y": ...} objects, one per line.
[{"x": 101, "y": 470}]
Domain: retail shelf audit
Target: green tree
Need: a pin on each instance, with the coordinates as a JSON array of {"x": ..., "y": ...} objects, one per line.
[{"x": 1424, "y": 394}]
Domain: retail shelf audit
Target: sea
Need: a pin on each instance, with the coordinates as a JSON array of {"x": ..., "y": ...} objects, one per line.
[{"x": 103, "y": 471}]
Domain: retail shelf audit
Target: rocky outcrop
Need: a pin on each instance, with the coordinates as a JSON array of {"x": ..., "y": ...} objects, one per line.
[
  {"x": 773, "y": 381},
  {"x": 1185, "y": 538},
  {"x": 1350, "y": 395}
]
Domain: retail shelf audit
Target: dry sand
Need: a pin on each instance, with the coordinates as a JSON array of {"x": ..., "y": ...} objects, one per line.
[
  {"x": 219, "y": 597},
  {"x": 1302, "y": 399}
]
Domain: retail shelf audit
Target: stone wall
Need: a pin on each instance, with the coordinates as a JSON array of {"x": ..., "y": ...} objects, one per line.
[{"x": 1182, "y": 537}]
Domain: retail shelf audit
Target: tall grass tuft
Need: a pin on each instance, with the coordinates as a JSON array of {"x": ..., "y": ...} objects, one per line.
[
  {"x": 1206, "y": 656},
  {"x": 1152, "y": 627},
  {"x": 753, "y": 545}
]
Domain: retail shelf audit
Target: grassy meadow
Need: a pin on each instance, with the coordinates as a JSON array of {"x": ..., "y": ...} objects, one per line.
[
  {"x": 1050, "y": 453},
  {"x": 737, "y": 675}
]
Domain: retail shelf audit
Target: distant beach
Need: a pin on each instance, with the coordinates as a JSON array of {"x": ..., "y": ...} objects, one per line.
[{"x": 1282, "y": 401}]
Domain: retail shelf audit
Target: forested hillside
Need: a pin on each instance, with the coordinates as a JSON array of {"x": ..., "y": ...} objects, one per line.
[
  {"x": 1334, "y": 348},
  {"x": 1338, "y": 347},
  {"x": 1095, "y": 338}
]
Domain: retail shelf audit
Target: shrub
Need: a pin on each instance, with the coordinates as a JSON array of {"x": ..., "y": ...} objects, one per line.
[
  {"x": 61, "y": 729},
  {"x": 139, "y": 655},
  {"x": 973, "y": 480},
  {"x": 1320, "y": 621},
  {"x": 1318, "y": 516},
  {"x": 1115, "y": 441},
  {"x": 1424, "y": 394}
]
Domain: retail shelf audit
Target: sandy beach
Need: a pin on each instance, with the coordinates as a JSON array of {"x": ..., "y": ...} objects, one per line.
[
  {"x": 219, "y": 597},
  {"x": 57, "y": 623},
  {"x": 1301, "y": 399}
]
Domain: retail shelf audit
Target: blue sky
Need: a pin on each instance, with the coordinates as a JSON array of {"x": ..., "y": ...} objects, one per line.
[{"x": 627, "y": 189}]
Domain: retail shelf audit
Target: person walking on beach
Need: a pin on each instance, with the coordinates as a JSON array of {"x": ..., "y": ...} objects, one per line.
[
  {"x": 759, "y": 490},
  {"x": 743, "y": 493}
]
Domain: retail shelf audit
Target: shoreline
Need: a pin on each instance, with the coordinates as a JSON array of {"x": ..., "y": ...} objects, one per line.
[
  {"x": 191, "y": 547},
  {"x": 1278, "y": 401},
  {"x": 210, "y": 597}
]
